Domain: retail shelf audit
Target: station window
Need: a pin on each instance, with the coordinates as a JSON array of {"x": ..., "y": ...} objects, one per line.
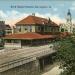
[{"x": 8, "y": 41}]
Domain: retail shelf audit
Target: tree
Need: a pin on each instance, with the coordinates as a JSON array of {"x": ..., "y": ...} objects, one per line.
[{"x": 66, "y": 55}]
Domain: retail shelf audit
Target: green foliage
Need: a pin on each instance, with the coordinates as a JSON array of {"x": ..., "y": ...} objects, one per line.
[
  {"x": 62, "y": 30},
  {"x": 66, "y": 55}
]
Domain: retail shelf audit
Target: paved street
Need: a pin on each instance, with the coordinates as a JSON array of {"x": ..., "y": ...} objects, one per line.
[{"x": 54, "y": 71}]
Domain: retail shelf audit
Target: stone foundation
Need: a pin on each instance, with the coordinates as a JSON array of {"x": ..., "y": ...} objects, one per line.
[{"x": 31, "y": 68}]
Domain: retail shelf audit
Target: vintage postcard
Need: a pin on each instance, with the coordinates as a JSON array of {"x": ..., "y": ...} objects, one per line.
[{"x": 37, "y": 37}]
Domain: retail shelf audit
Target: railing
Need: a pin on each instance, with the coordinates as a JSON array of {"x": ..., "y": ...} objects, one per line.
[{"x": 13, "y": 45}]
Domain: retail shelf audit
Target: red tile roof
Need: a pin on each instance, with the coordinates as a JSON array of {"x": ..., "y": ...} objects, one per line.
[
  {"x": 35, "y": 20},
  {"x": 32, "y": 20},
  {"x": 64, "y": 34},
  {"x": 29, "y": 35}
]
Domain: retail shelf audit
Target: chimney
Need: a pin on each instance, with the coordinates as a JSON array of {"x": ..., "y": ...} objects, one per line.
[{"x": 33, "y": 14}]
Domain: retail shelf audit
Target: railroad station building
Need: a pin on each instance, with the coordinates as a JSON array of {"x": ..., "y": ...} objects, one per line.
[{"x": 32, "y": 31}]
